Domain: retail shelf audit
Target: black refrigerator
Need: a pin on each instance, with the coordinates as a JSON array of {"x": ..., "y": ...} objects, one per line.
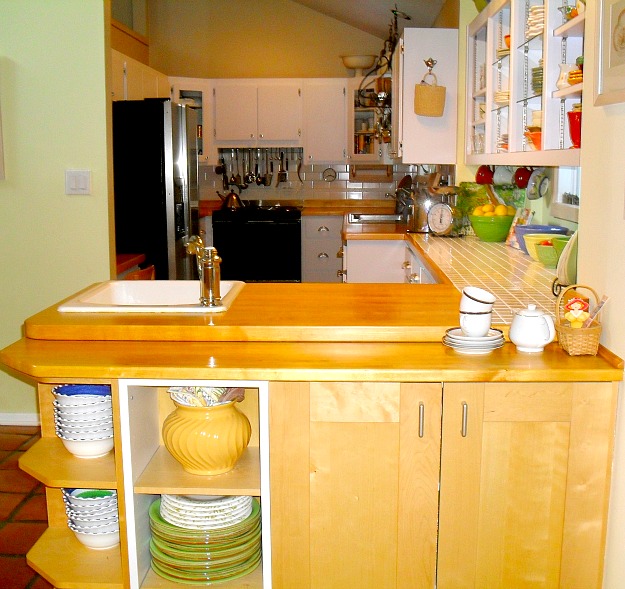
[{"x": 155, "y": 168}]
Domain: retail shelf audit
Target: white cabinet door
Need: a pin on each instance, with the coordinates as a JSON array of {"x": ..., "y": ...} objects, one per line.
[
  {"x": 280, "y": 112},
  {"x": 235, "y": 112},
  {"x": 199, "y": 91},
  {"x": 416, "y": 270},
  {"x": 374, "y": 260},
  {"x": 324, "y": 102},
  {"x": 251, "y": 114},
  {"x": 428, "y": 139}
]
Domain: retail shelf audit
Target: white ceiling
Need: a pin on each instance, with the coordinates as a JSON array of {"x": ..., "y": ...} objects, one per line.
[{"x": 375, "y": 16}]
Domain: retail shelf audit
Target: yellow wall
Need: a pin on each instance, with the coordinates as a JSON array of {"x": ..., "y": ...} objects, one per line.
[
  {"x": 243, "y": 39},
  {"x": 602, "y": 258},
  {"x": 53, "y": 100}
]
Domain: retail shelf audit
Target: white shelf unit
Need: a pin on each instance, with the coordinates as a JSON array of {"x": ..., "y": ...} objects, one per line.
[
  {"x": 149, "y": 470},
  {"x": 492, "y": 71}
]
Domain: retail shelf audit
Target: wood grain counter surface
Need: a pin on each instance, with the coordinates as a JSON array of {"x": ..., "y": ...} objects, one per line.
[
  {"x": 55, "y": 361},
  {"x": 277, "y": 312}
]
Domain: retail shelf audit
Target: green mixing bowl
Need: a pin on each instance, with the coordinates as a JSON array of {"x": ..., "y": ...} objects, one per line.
[{"x": 491, "y": 228}]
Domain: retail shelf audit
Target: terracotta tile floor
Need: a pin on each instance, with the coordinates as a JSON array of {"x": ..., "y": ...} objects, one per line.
[{"x": 23, "y": 515}]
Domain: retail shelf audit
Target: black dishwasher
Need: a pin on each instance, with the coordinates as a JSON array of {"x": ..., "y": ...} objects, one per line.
[{"x": 259, "y": 243}]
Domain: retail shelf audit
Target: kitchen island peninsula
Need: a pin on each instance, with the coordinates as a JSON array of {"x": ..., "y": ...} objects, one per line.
[{"x": 380, "y": 457}]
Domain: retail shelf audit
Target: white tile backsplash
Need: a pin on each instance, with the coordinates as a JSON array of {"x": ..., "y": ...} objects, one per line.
[{"x": 312, "y": 186}]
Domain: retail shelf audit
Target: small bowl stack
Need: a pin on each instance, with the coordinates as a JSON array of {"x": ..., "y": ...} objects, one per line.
[
  {"x": 92, "y": 516},
  {"x": 83, "y": 419}
]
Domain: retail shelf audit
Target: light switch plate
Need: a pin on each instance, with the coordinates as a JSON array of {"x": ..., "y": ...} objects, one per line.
[{"x": 77, "y": 181}]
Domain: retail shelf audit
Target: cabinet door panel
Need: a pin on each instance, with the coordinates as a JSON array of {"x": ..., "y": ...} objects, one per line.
[
  {"x": 235, "y": 112},
  {"x": 324, "y": 120},
  {"x": 367, "y": 482},
  {"x": 279, "y": 113},
  {"x": 523, "y": 498}
]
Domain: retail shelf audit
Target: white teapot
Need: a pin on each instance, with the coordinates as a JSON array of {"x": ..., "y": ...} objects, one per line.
[{"x": 531, "y": 329}]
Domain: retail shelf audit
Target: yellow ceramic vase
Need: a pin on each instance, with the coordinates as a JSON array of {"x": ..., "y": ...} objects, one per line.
[{"x": 206, "y": 440}]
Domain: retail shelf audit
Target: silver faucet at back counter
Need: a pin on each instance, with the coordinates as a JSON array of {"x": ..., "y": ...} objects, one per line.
[{"x": 208, "y": 268}]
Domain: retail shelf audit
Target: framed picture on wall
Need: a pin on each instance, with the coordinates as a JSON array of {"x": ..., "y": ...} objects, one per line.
[{"x": 610, "y": 67}]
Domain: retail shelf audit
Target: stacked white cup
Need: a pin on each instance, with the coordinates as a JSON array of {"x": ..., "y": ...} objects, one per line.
[{"x": 476, "y": 311}]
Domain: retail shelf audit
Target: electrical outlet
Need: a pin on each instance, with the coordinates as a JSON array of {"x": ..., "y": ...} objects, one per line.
[{"x": 77, "y": 181}]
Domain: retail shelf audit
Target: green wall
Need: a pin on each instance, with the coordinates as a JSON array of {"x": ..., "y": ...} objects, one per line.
[{"x": 53, "y": 103}]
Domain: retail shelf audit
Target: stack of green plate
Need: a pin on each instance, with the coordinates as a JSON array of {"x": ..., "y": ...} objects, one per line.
[{"x": 205, "y": 556}]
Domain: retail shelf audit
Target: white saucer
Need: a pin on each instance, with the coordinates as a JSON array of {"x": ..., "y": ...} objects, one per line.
[{"x": 456, "y": 334}]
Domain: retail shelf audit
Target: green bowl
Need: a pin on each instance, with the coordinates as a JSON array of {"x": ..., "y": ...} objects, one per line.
[
  {"x": 547, "y": 255},
  {"x": 559, "y": 243},
  {"x": 491, "y": 228}
]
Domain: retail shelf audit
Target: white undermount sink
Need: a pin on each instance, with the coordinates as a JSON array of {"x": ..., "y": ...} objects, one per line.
[{"x": 149, "y": 296}]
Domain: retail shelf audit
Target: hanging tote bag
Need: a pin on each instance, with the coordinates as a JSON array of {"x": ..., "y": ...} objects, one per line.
[{"x": 429, "y": 98}]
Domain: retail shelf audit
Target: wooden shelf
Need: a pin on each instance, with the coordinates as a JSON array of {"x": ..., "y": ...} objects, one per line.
[
  {"x": 67, "y": 564},
  {"x": 163, "y": 469},
  {"x": 252, "y": 581},
  {"x": 50, "y": 463}
]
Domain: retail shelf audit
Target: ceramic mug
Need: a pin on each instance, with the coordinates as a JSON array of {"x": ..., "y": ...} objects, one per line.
[
  {"x": 475, "y": 324},
  {"x": 502, "y": 175},
  {"x": 476, "y": 300}
]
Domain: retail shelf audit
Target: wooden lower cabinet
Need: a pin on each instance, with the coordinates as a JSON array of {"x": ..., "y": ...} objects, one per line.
[
  {"x": 524, "y": 473},
  {"x": 354, "y": 484},
  {"x": 525, "y": 479},
  {"x": 372, "y": 485}
]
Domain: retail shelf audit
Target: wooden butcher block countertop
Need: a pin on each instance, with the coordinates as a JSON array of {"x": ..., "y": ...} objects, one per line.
[{"x": 303, "y": 312}]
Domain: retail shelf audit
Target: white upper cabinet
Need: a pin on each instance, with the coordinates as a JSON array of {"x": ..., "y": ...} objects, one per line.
[
  {"x": 418, "y": 138},
  {"x": 516, "y": 53},
  {"x": 324, "y": 103},
  {"x": 199, "y": 92},
  {"x": 249, "y": 113}
]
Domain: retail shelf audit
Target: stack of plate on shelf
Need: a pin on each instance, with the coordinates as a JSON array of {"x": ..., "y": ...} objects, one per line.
[
  {"x": 83, "y": 418},
  {"x": 501, "y": 97},
  {"x": 502, "y": 142},
  {"x": 464, "y": 344},
  {"x": 537, "y": 78},
  {"x": 92, "y": 516},
  {"x": 205, "y": 540},
  {"x": 575, "y": 77},
  {"x": 535, "y": 21},
  {"x": 502, "y": 52}
]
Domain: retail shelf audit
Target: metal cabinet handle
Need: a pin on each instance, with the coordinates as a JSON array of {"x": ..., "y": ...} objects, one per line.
[
  {"x": 340, "y": 253},
  {"x": 421, "y": 419},
  {"x": 406, "y": 265},
  {"x": 322, "y": 229},
  {"x": 414, "y": 279},
  {"x": 465, "y": 418},
  {"x": 341, "y": 273},
  {"x": 252, "y": 135},
  {"x": 323, "y": 255}
]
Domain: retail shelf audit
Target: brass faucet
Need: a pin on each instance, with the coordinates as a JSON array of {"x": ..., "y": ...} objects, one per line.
[{"x": 208, "y": 268}]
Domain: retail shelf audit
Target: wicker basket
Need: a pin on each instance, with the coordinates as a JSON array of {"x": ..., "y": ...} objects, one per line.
[
  {"x": 583, "y": 341},
  {"x": 429, "y": 99}
]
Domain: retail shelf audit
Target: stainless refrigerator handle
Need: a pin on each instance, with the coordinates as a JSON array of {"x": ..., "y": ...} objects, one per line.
[
  {"x": 465, "y": 418},
  {"x": 421, "y": 419}
]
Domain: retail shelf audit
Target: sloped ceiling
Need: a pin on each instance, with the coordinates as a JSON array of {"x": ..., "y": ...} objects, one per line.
[{"x": 375, "y": 16}]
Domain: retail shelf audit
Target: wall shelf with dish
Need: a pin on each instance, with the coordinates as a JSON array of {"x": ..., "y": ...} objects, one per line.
[{"x": 519, "y": 46}]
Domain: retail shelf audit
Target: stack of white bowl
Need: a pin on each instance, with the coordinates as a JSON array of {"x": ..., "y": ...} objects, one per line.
[
  {"x": 83, "y": 418},
  {"x": 92, "y": 516}
]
